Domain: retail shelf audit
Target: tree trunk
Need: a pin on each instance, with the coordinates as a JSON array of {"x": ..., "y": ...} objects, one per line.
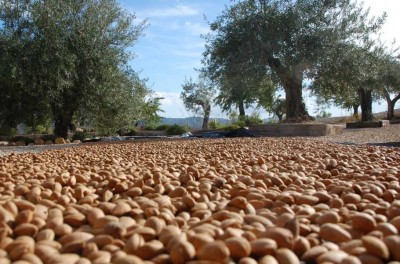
[
  {"x": 355, "y": 109},
  {"x": 390, "y": 110},
  {"x": 390, "y": 104},
  {"x": 279, "y": 117},
  {"x": 366, "y": 104},
  {"x": 241, "y": 109},
  {"x": 206, "y": 117},
  {"x": 62, "y": 121},
  {"x": 295, "y": 108},
  {"x": 61, "y": 128}
]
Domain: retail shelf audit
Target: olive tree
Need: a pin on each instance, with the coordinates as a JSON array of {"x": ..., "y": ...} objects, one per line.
[
  {"x": 390, "y": 85},
  {"x": 285, "y": 40},
  {"x": 68, "y": 56},
  {"x": 198, "y": 96},
  {"x": 353, "y": 75}
]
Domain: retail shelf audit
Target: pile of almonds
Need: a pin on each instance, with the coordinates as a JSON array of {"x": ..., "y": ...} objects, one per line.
[{"x": 263, "y": 200}]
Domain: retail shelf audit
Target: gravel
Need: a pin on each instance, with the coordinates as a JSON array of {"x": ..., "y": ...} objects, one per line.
[
  {"x": 374, "y": 136},
  {"x": 6, "y": 150}
]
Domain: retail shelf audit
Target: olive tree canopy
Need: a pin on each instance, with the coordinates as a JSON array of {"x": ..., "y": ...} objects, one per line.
[
  {"x": 285, "y": 40},
  {"x": 63, "y": 58}
]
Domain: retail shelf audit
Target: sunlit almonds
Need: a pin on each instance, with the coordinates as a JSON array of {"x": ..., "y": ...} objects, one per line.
[{"x": 243, "y": 200}]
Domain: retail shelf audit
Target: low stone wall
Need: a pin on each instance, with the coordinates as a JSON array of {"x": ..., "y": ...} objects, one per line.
[
  {"x": 296, "y": 130},
  {"x": 368, "y": 124}
]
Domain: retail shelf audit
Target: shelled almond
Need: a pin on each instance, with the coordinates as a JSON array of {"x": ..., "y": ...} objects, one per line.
[{"x": 259, "y": 200}]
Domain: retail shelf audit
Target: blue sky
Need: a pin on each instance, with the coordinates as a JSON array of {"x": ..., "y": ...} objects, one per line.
[{"x": 172, "y": 47}]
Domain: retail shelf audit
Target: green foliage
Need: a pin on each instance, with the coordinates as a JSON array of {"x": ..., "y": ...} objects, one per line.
[
  {"x": 149, "y": 111},
  {"x": 27, "y": 140},
  {"x": 176, "y": 130},
  {"x": 162, "y": 127},
  {"x": 149, "y": 128},
  {"x": 68, "y": 60},
  {"x": 323, "y": 114},
  {"x": 51, "y": 137},
  {"x": 131, "y": 133},
  {"x": 39, "y": 129},
  {"x": 214, "y": 124},
  {"x": 81, "y": 135},
  {"x": 233, "y": 116},
  {"x": 197, "y": 97},
  {"x": 277, "y": 106},
  {"x": 8, "y": 131},
  {"x": 280, "y": 43},
  {"x": 122, "y": 108},
  {"x": 253, "y": 119},
  {"x": 231, "y": 127}
]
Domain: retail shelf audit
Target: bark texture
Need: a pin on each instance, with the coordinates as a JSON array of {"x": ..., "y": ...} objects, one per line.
[{"x": 366, "y": 104}]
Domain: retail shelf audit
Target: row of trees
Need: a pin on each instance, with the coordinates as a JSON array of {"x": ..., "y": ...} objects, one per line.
[
  {"x": 67, "y": 62},
  {"x": 259, "y": 47}
]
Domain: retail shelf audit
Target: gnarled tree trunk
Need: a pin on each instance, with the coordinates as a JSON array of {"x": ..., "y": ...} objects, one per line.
[
  {"x": 295, "y": 108},
  {"x": 366, "y": 104},
  {"x": 62, "y": 121},
  {"x": 390, "y": 104},
  {"x": 206, "y": 117}
]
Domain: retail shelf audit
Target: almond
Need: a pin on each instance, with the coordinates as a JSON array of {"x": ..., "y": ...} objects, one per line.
[
  {"x": 214, "y": 251},
  {"x": 238, "y": 247},
  {"x": 334, "y": 233},
  {"x": 182, "y": 252}
]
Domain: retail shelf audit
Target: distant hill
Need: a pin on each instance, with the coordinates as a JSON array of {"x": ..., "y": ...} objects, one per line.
[{"x": 193, "y": 122}]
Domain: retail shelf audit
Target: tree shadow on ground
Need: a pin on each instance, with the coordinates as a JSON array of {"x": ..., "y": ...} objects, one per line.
[{"x": 386, "y": 144}]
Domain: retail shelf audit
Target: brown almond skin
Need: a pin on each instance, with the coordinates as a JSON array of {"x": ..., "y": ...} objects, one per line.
[
  {"x": 313, "y": 253},
  {"x": 128, "y": 260},
  {"x": 75, "y": 236},
  {"x": 351, "y": 260},
  {"x": 375, "y": 247},
  {"x": 133, "y": 243},
  {"x": 31, "y": 258},
  {"x": 150, "y": 250},
  {"x": 282, "y": 236},
  {"x": 393, "y": 244},
  {"x": 214, "y": 251},
  {"x": 334, "y": 256},
  {"x": 247, "y": 260},
  {"x": 328, "y": 217},
  {"x": 238, "y": 247},
  {"x": 263, "y": 246},
  {"x": 45, "y": 234},
  {"x": 199, "y": 240},
  {"x": 26, "y": 229},
  {"x": 182, "y": 252},
  {"x": 370, "y": 259},
  {"x": 334, "y": 233},
  {"x": 300, "y": 246},
  {"x": 268, "y": 260},
  {"x": 363, "y": 222},
  {"x": 286, "y": 256},
  {"x": 387, "y": 229}
]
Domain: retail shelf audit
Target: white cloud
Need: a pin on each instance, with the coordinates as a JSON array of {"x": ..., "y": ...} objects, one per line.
[
  {"x": 169, "y": 98},
  {"x": 176, "y": 11},
  {"x": 196, "y": 28},
  {"x": 172, "y": 105}
]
